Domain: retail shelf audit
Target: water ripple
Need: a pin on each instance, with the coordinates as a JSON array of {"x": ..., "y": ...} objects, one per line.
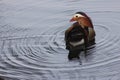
[{"x": 41, "y": 51}]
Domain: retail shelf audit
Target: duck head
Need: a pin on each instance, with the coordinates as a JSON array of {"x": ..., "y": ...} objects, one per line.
[
  {"x": 78, "y": 15},
  {"x": 82, "y": 19}
]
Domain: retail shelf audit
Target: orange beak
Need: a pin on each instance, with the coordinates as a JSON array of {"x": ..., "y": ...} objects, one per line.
[{"x": 73, "y": 19}]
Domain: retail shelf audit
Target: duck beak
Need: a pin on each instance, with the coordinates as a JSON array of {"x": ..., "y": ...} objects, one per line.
[{"x": 71, "y": 20}]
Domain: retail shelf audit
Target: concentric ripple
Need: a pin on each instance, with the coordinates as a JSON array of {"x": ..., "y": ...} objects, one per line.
[{"x": 32, "y": 47}]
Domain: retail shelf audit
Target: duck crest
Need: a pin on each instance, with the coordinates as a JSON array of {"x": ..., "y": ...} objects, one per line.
[{"x": 85, "y": 21}]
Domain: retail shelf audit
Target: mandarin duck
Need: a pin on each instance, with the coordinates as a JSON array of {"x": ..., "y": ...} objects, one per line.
[{"x": 79, "y": 35}]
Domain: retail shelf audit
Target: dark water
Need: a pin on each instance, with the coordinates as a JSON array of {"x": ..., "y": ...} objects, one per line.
[{"x": 32, "y": 43}]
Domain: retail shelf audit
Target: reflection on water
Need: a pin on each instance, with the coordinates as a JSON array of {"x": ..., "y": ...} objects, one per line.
[{"x": 32, "y": 43}]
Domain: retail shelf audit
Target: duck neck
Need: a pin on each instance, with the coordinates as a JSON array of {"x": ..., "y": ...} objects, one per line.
[{"x": 80, "y": 23}]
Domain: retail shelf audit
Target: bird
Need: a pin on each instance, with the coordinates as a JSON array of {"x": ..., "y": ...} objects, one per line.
[{"x": 79, "y": 35}]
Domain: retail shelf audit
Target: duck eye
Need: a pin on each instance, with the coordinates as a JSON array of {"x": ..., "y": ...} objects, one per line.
[{"x": 76, "y": 16}]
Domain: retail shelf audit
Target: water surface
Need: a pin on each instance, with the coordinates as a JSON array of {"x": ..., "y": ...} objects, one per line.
[{"x": 32, "y": 43}]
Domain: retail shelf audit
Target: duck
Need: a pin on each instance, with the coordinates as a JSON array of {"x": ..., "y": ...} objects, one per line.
[{"x": 79, "y": 35}]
